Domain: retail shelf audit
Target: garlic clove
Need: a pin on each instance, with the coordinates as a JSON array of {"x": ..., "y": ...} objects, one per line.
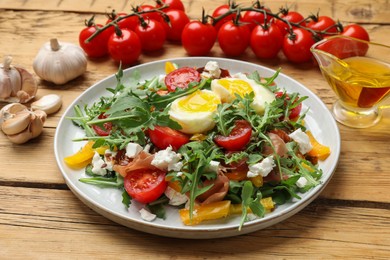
[
  {"x": 21, "y": 137},
  {"x": 49, "y": 103},
  {"x": 36, "y": 126},
  {"x": 16, "y": 124},
  {"x": 9, "y": 110}
]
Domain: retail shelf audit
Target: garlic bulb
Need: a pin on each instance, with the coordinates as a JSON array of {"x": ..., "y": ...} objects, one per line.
[
  {"x": 16, "y": 83},
  {"x": 20, "y": 124},
  {"x": 60, "y": 62},
  {"x": 50, "y": 103}
]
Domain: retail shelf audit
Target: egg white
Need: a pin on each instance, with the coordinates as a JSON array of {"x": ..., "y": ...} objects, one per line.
[
  {"x": 263, "y": 96},
  {"x": 191, "y": 118}
]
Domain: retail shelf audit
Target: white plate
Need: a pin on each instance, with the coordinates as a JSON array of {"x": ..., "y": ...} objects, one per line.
[{"x": 108, "y": 202}]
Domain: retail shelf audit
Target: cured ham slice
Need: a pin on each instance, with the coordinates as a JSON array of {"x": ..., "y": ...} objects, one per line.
[{"x": 142, "y": 161}]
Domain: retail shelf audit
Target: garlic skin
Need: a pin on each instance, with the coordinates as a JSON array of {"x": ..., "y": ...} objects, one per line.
[
  {"x": 50, "y": 104},
  {"x": 16, "y": 83},
  {"x": 59, "y": 62},
  {"x": 20, "y": 124}
]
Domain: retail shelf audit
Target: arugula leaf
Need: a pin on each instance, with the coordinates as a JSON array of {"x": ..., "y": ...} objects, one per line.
[{"x": 103, "y": 182}]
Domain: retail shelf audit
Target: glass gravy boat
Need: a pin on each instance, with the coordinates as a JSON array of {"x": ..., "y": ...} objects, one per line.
[{"x": 359, "y": 74}]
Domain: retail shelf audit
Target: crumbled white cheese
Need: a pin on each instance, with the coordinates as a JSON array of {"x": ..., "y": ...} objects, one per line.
[
  {"x": 147, "y": 148},
  {"x": 213, "y": 167},
  {"x": 98, "y": 165},
  {"x": 211, "y": 70},
  {"x": 302, "y": 139},
  {"x": 133, "y": 149},
  {"x": 239, "y": 75},
  {"x": 146, "y": 215},
  {"x": 178, "y": 174},
  {"x": 262, "y": 168},
  {"x": 167, "y": 160},
  {"x": 301, "y": 182},
  {"x": 109, "y": 159},
  {"x": 175, "y": 198}
]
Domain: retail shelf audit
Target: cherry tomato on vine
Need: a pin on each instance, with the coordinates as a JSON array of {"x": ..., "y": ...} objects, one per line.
[
  {"x": 238, "y": 138},
  {"x": 295, "y": 111},
  {"x": 356, "y": 31},
  {"x": 266, "y": 42},
  {"x": 145, "y": 185},
  {"x": 323, "y": 24},
  {"x": 152, "y": 15},
  {"x": 181, "y": 77},
  {"x": 178, "y": 20},
  {"x": 173, "y": 4},
  {"x": 126, "y": 23},
  {"x": 253, "y": 18},
  {"x": 124, "y": 46},
  {"x": 297, "y": 47},
  {"x": 163, "y": 136},
  {"x": 292, "y": 17},
  {"x": 152, "y": 35},
  {"x": 234, "y": 38},
  {"x": 97, "y": 47},
  {"x": 221, "y": 10},
  {"x": 105, "y": 130},
  {"x": 198, "y": 38}
]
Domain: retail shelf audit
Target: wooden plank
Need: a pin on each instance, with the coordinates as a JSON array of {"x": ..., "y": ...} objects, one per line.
[
  {"x": 32, "y": 218},
  {"x": 366, "y": 11}
]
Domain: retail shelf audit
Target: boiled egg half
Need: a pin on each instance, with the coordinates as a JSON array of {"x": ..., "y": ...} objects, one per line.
[
  {"x": 226, "y": 88},
  {"x": 195, "y": 112}
]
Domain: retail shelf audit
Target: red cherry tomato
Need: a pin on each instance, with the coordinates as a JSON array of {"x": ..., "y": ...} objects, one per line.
[
  {"x": 233, "y": 39},
  {"x": 294, "y": 112},
  {"x": 145, "y": 185},
  {"x": 152, "y": 36},
  {"x": 221, "y": 10},
  {"x": 180, "y": 78},
  {"x": 173, "y": 4},
  {"x": 253, "y": 18},
  {"x": 163, "y": 136},
  {"x": 292, "y": 17},
  {"x": 266, "y": 42},
  {"x": 198, "y": 38},
  {"x": 152, "y": 15},
  {"x": 126, "y": 23},
  {"x": 356, "y": 31},
  {"x": 97, "y": 47},
  {"x": 297, "y": 49},
  {"x": 105, "y": 130},
  {"x": 238, "y": 138},
  {"x": 178, "y": 20},
  {"x": 125, "y": 48},
  {"x": 323, "y": 24}
]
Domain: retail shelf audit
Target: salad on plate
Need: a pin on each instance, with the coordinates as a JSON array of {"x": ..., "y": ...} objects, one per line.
[{"x": 199, "y": 139}]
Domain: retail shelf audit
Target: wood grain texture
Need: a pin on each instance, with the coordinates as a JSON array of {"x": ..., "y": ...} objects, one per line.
[{"x": 55, "y": 217}]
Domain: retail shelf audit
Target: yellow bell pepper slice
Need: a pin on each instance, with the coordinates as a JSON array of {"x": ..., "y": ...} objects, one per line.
[
  {"x": 267, "y": 203},
  {"x": 169, "y": 67},
  {"x": 320, "y": 151},
  {"x": 201, "y": 213},
  {"x": 84, "y": 156}
]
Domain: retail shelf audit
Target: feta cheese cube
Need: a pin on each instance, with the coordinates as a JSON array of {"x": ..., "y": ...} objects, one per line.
[
  {"x": 167, "y": 160},
  {"x": 98, "y": 165},
  {"x": 133, "y": 149},
  {"x": 211, "y": 70},
  {"x": 175, "y": 198},
  {"x": 302, "y": 139},
  {"x": 301, "y": 182},
  {"x": 262, "y": 168},
  {"x": 213, "y": 166},
  {"x": 146, "y": 215}
]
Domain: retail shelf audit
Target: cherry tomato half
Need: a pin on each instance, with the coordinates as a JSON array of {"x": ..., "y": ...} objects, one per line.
[
  {"x": 234, "y": 38},
  {"x": 125, "y": 48},
  {"x": 238, "y": 138},
  {"x": 181, "y": 77},
  {"x": 266, "y": 42},
  {"x": 198, "y": 38},
  {"x": 163, "y": 136},
  {"x": 97, "y": 47},
  {"x": 105, "y": 130},
  {"x": 297, "y": 49},
  {"x": 145, "y": 185}
]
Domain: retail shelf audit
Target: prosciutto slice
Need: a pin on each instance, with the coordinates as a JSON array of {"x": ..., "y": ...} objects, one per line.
[
  {"x": 217, "y": 192},
  {"x": 142, "y": 161}
]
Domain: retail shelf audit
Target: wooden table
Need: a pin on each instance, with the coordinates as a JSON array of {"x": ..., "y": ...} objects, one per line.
[{"x": 41, "y": 218}]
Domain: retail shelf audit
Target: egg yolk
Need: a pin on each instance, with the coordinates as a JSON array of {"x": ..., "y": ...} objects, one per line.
[
  {"x": 237, "y": 86},
  {"x": 199, "y": 101}
]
